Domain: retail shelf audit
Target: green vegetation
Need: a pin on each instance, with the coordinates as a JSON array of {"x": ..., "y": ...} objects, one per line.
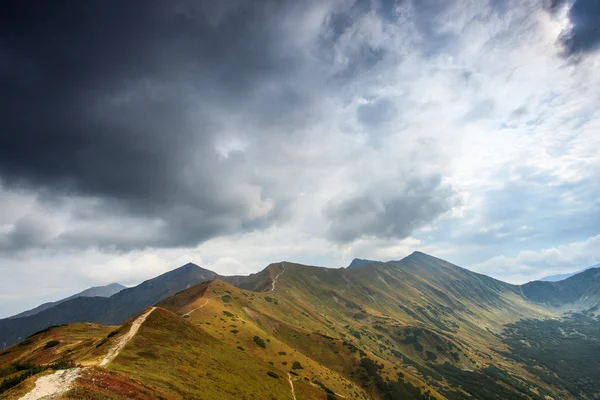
[
  {"x": 30, "y": 370},
  {"x": 228, "y": 314},
  {"x": 431, "y": 356},
  {"x": 273, "y": 374},
  {"x": 368, "y": 373},
  {"x": 113, "y": 333},
  {"x": 51, "y": 343},
  {"x": 226, "y": 298},
  {"x": 563, "y": 353},
  {"x": 15, "y": 367},
  {"x": 297, "y": 365},
  {"x": 260, "y": 342},
  {"x": 330, "y": 393},
  {"x": 488, "y": 383}
]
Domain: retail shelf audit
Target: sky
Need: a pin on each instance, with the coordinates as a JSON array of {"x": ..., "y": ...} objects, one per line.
[{"x": 138, "y": 136}]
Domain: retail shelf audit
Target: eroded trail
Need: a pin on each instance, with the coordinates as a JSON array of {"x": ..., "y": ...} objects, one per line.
[
  {"x": 292, "y": 386},
  {"x": 277, "y": 277},
  {"x": 116, "y": 349},
  {"x": 52, "y": 386},
  {"x": 197, "y": 308}
]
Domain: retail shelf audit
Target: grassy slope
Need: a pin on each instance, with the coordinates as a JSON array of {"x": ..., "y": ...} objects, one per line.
[
  {"x": 77, "y": 343},
  {"x": 193, "y": 364},
  {"x": 399, "y": 314},
  {"x": 234, "y": 317},
  {"x": 577, "y": 293},
  {"x": 417, "y": 320}
]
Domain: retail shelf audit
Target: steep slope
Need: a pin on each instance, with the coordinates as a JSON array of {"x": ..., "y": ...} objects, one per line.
[
  {"x": 122, "y": 305},
  {"x": 382, "y": 330},
  {"x": 96, "y": 291},
  {"x": 578, "y": 292},
  {"x": 251, "y": 323}
]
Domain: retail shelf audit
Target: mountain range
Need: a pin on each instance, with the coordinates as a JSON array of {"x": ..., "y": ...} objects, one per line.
[
  {"x": 96, "y": 291},
  {"x": 417, "y": 328},
  {"x": 560, "y": 277}
]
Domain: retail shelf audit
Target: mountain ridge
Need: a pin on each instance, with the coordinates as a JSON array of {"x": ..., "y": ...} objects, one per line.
[
  {"x": 95, "y": 291},
  {"x": 120, "y": 306},
  {"x": 560, "y": 277},
  {"x": 415, "y": 328},
  {"x": 418, "y": 265}
]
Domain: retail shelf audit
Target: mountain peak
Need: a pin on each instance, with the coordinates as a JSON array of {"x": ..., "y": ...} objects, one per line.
[
  {"x": 189, "y": 268},
  {"x": 359, "y": 262},
  {"x": 416, "y": 254},
  {"x": 189, "y": 265},
  {"x": 115, "y": 286},
  {"x": 420, "y": 256}
]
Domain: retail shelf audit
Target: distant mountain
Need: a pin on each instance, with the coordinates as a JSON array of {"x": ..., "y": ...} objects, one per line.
[
  {"x": 560, "y": 277},
  {"x": 578, "y": 292},
  {"x": 121, "y": 306},
  {"x": 96, "y": 291},
  {"x": 359, "y": 262}
]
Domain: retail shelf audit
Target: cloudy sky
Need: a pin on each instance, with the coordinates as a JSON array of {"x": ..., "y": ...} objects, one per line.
[{"x": 137, "y": 136}]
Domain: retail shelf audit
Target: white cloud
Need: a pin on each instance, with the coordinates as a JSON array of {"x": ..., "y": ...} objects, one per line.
[{"x": 530, "y": 265}]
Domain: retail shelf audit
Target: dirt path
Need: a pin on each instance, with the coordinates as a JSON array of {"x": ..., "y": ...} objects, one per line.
[
  {"x": 275, "y": 280},
  {"x": 292, "y": 385},
  {"x": 116, "y": 349},
  {"x": 189, "y": 312},
  {"x": 52, "y": 386}
]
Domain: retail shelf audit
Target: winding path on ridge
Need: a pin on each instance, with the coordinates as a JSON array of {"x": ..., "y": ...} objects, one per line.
[
  {"x": 116, "y": 349},
  {"x": 189, "y": 312},
  {"x": 52, "y": 386},
  {"x": 292, "y": 385},
  {"x": 277, "y": 277}
]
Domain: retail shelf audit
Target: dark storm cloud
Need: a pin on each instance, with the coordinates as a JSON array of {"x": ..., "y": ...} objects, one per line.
[
  {"x": 389, "y": 215},
  {"x": 584, "y": 35},
  {"x": 27, "y": 233},
  {"x": 124, "y": 102}
]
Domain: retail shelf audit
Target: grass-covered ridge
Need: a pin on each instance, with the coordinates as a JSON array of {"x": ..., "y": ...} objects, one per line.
[
  {"x": 419, "y": 328},
  {"x": 193, "y": 364}
]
